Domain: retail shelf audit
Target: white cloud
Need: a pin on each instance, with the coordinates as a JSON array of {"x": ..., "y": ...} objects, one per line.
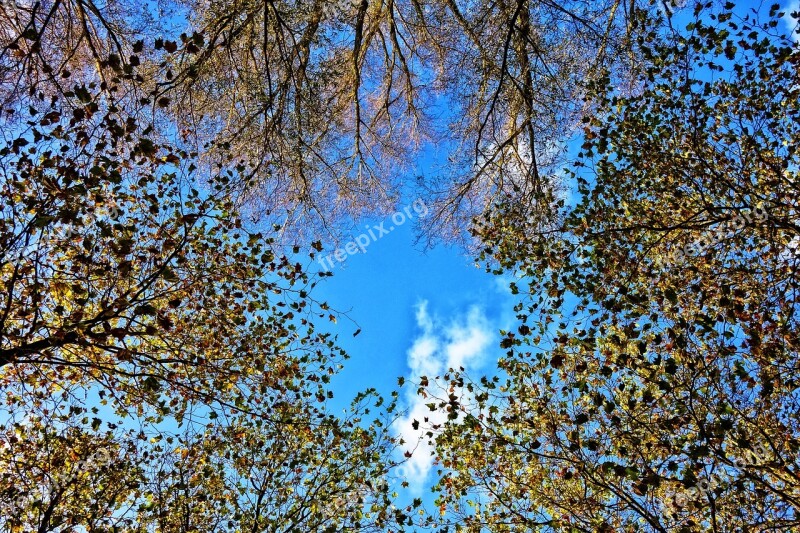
[{"x": 464, "y": 341}]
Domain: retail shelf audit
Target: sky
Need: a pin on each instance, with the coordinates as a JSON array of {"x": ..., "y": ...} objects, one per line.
[{"x": 420, "y": 312}]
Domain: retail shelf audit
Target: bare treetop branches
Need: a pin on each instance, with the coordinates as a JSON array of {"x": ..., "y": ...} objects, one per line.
[{"x": 326, "y": 105}]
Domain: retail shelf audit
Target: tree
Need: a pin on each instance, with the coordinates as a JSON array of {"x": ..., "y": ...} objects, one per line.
[
  {"x": 46, "y": 47},
  {"x": 109, "y": 254},
  {"x": 326, "y": 104},
  {"x": 159, "y": 363},
  {"x": 651, "y": 383},
  {"x": 67, "y": 465}
]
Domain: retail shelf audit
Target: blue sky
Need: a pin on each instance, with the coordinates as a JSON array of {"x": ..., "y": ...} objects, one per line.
[{"x": 419, "y": 312}]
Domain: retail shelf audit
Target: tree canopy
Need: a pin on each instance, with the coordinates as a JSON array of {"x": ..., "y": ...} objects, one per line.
[
  {"x": 651, "y": 382},
  {"x": 324, "y": 103},
  {"x": 160, "y": 365},
  {"x": 170, "y": 172}
]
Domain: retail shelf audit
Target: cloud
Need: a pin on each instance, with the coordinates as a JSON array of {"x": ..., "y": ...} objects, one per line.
[{"x": 463, "y": 341}]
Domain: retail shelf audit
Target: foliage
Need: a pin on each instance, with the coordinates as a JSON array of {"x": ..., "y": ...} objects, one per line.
[
  {"x": 140, "y": 320},
  {"x": 658, "y": 343},
  {"x": 161, "y": 366}
]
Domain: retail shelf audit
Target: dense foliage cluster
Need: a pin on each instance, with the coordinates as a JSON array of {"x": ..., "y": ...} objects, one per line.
[
  {"x": 652, "y": 382},
  {"x": 160, "y": 367}
]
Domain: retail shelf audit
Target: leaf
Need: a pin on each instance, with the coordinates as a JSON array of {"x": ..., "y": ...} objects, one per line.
[{"x": 145, "y": 309}]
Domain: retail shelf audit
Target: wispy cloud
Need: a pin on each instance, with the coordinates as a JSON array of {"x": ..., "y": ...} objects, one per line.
[{"x": 462, "y": 341}]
